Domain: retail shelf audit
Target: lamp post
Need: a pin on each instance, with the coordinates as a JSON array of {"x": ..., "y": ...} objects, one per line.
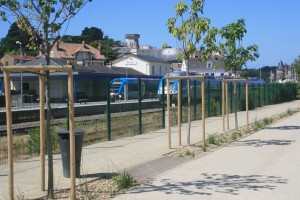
[{"x": 21, "y": 76}]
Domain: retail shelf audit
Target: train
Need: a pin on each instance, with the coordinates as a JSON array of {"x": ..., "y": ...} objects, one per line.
[
  {"x": 118, "y": 88},
  {"x": 214, "y": 84}
]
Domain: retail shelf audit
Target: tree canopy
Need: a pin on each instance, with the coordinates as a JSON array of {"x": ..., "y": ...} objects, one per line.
[
  {"x": 235, "y": 55},
  {"x": 296, "y": 65},
  {"x": 14, "y": 34}
]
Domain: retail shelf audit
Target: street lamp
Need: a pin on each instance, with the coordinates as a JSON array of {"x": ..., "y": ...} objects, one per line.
[{"x": 21, "y": 76}]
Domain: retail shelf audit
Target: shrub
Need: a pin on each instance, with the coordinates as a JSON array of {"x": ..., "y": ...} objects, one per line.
[
  {"x": 214, "y": 105},
  {"x": 212, "y": 139},
  {"x": 123, "y": 180},
  {"x": 34, "y": 141},
  {"x": 267, "y": 121},
  {"x": 189, "y": 153},
  {"x": 235, "y": 135}
]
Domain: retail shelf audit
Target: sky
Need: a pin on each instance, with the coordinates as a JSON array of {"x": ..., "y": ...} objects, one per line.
[{"x": 273, "y": 25}]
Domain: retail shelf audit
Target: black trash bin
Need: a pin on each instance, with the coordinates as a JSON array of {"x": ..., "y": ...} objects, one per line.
[{"x": 64, "y": 143}]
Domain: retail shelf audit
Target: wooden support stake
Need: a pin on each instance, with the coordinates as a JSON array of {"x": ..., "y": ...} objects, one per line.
[
  {"x": 42, "y": 128},
  {"x": 227, "y": 105},
  {"x": 247, "y": 116},
  {"x": 203, "y": 115},
  {"x": 168, "y": 108},
  {"x": 235, "y": 106},
  {"x": 72, "y": 135},
  {"x": 223, "y": 105},
  {"x": 179, "y": 111},
  {"x": 9, "y": 135}
]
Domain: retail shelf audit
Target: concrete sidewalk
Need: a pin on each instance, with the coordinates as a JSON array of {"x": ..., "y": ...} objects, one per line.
[
  {"x": 264, "y": 165},
  {"x": 109, "y": 157}
]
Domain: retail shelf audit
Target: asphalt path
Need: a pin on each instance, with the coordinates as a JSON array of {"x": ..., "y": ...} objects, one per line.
[{"x": 264, "y": 165}]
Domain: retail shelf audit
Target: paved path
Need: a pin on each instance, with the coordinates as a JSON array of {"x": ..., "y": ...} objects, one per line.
[
  {"x": 264, "y": 165},
  {"x": 108, "y": 157}
]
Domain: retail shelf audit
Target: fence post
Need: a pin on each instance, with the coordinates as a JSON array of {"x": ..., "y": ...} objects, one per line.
[
  {"x": 68, "y": 114},
  {"x": 108, "y": 122},
  {"x": 259, "y": 95},
  {"x": 181, "y": 81},
  {"x": 163, "y": 105},
  {"x": 208, "y": 99},
  {"x": 140, "y": 106},
  {"x": 195, "y": 98},
  {"x": 264, "y": 94},
  {"x": 239, "y": 103},
  {"x": 219, "y": 96},
  {"x": 253, "y": 96},
  {"x": 231, "y": 97}
]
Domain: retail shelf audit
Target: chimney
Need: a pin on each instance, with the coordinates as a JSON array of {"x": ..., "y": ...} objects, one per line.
[{"x": 132, "y": 41}]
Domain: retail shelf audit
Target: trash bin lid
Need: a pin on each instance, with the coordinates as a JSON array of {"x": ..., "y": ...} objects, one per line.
[{"x": 67, "y": 132}]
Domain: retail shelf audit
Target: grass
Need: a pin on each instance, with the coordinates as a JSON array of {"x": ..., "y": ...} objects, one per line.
[{"x": 123, "y": 180}]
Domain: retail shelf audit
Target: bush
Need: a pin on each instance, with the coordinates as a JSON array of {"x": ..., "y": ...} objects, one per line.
[
  {"x": 34, "y": 141},
  {"x": 123, "y": 180},
  {"x": 214, "y": 105},
  {"x": 212, "y": 139}
]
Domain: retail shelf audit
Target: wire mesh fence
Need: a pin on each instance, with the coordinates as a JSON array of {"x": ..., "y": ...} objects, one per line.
[{"x": 108, "y": 111}]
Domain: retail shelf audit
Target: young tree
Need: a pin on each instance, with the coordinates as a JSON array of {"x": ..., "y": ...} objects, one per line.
[
  {"x": 296, "y": 65},
  {"x": 42, "y": 20},
  {"x": 234, "y": 54},
  {"x": 190, "y": 30}
]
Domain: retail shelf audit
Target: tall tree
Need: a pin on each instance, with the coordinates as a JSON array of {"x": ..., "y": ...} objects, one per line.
[
  {"x": 14, "y": 34},
  {"x": 42, "y": 20},
  {"x": 108, "y": 47},
  {"x": 92, "y": 34},
  {"x": 296, "y": 65},
  {"x": 234, "y": 54},
  {"x": 192, "y": 32}
]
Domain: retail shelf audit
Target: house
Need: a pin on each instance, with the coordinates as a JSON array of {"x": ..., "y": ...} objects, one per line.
[
  {"x": 151, "y": 61},
  {"x": 147, "y": 65},
  {"x": 284, "y": 71},
  {"x": 81, "y": 54},
  {"x": 10, "y": 60}
]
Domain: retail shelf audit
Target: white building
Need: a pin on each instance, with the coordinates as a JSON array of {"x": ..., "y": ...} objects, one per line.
[{"x": 145, "y": 64}]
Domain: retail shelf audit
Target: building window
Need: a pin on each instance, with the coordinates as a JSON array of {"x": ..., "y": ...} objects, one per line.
[
  {"x": 153, "y": 70},
  {"x": 159, "y": 70}
]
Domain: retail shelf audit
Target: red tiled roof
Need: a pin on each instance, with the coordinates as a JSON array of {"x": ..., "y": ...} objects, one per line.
[{"x": 68, "y": 50}]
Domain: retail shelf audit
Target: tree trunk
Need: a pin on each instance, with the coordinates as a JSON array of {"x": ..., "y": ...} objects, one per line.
[
  {"x": 48, "y": 138},
  {"x": 189, "y": 105},
  {"x": 50, "y": 194}
]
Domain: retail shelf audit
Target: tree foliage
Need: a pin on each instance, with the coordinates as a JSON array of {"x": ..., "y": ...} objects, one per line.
[
  {"x": 234, "y": 54},
  {"x": 14, "y": 34},
  {"x": 296, "y": 65},
  {"x": 193, "y": 31}
]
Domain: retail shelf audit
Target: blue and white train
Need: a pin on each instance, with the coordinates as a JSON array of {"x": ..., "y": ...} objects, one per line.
[
  {"x": 211, "y": 80},
  {"x": 148, "y": 88}
]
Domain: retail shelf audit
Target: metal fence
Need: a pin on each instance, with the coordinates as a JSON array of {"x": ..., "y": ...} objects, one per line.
[{"x": 104, "y": 117}]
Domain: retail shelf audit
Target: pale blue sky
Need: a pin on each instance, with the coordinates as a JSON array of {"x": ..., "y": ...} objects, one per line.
[{"x": 273, "y": 25}]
